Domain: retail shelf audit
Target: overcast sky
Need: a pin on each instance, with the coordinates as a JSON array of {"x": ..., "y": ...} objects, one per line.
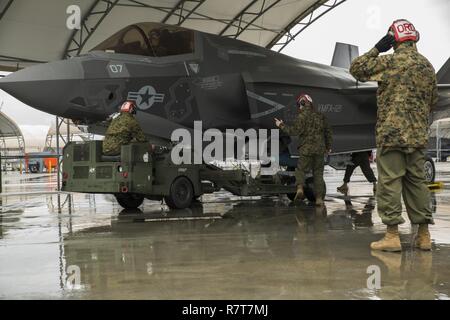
[
  {"x": 359, "y": 22},
  {"x": 364, "y": 22}
]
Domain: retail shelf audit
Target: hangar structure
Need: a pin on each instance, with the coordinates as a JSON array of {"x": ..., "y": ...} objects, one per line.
[
  {"x": 12, "y": 144},
  {"x": 67, "y": 131},
  {"x": 44, "y": 36}
]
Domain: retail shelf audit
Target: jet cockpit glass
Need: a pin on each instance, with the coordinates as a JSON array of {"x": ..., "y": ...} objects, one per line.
[{"x": 150, "y": 39}]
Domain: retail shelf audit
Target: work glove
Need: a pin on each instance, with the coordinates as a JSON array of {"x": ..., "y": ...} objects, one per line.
[
  {"x": 279, "y": 123},
  {"x": 386, "y": 43}
]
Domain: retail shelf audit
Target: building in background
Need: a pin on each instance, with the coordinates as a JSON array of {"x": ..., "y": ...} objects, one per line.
[{"x": 12, "y": 144}]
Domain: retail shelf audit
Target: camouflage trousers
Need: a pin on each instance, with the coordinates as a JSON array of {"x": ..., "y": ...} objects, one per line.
[
  {"x": 401, "y": 173},
  {"x": 314, "y": 163}
]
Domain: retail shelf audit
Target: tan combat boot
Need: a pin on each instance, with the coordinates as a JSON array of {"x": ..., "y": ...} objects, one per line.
[
  {"x": 319, "y": 202},
  {"x": 423, "y": 240},
  {"x": 343, "y": 189},
  {"x": 300, "y": 195},
  {"x": 390, "y": 242}
]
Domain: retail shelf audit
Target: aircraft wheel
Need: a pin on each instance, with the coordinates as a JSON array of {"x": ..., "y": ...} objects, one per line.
[
  {"x": 430, "y": 170},
  {"x": 308, "y": 188},
  {"x": 129, "y": 200},
  {"x": 181, "y": 194}
]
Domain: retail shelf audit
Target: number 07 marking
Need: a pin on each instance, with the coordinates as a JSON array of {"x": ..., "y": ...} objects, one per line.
[{"x": 116, "y": 68}]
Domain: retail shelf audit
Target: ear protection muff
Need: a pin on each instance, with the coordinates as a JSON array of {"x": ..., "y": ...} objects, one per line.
[{"x": 391, "y": 32}]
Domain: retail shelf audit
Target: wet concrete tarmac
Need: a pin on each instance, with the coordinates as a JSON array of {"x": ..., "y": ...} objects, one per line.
[{"x": 80, "y": 246}]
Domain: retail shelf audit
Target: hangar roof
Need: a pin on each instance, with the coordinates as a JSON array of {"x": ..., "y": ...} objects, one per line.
[
  {"x": 36, "y": 31},
  {"x": 8, "y": 128}
]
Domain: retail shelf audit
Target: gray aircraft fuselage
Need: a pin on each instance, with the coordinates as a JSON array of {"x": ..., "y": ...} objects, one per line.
[{"x": 225, "y": 83}]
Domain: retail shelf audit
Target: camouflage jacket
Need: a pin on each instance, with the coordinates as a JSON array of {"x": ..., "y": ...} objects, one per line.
[
  {"x": 407, "y": 91},
  {"x": 123, "y": 130},
  {"x": 313, "y": 131}
]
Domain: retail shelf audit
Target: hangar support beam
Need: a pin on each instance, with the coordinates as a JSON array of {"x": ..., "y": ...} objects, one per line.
[
  {"x": 182, "y": 12},
  {"x": 90, "y": 22},
  {"x": 59, "y": 123},
  {"x": 302, "y": 22},
  {"x": 247, "y": 17},
  {"x": 5, "y": 8}
]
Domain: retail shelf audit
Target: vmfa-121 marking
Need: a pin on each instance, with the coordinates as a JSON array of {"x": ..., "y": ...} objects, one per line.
[{"x": 178, "y": 76}]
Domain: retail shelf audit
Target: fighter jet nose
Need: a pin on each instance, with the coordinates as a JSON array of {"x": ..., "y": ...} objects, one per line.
[{"x": 45, "y": 86}]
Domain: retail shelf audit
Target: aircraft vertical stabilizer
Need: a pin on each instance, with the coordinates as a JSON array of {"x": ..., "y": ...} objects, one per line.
[
  {"x": 344, "y": 54},
  {"x": 443, "y": 75}
]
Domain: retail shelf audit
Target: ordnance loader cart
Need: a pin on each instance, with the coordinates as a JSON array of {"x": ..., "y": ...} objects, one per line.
[{"x": 142, "y": 171}]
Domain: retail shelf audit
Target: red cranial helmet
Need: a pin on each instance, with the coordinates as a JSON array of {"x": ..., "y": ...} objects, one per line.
[
  {"x": 304, "y": 100},
  {"x": 403, "y": 30},
  {"x": 128, "y": 106}
]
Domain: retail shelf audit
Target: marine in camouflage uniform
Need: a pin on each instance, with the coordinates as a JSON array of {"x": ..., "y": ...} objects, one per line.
[
  {"x": 124, "y": 129},
  {"x": 314, "y": 134},
  {"x": 407, "y": 91}
]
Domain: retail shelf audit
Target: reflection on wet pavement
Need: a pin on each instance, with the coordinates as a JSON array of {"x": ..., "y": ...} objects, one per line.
[{"x": 86, "y": 247}]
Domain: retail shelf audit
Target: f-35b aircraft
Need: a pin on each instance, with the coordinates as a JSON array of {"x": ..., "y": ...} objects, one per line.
[{"x": 177, "y": 76}]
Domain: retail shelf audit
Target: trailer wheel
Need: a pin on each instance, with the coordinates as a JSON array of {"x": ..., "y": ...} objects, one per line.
[
  {"x": 129, "y": 200},
  {"x": 181, "y": 194},
  {"x": 430, "y": 170}
]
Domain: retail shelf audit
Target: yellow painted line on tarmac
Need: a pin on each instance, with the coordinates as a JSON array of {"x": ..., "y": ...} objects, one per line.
[{"x": 436, "y": 185}]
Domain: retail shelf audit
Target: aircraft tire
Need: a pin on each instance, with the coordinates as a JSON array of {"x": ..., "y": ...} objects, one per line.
[
  {"x": 181, "y": 194},
  {"x": 129, "y": 200},
  {"x": 430, "y": 170}
]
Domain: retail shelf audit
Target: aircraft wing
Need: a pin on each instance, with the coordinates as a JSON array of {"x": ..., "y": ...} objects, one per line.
[
  {"x": 440, "y": 111},
  {"x": 442, "y": 108}
]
